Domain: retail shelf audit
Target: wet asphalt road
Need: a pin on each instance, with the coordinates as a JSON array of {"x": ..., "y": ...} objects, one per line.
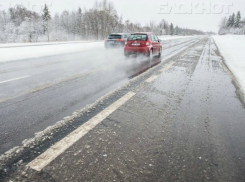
[
  {"x": 187, "y": 124},
  {"x": 56, "y": 86}
]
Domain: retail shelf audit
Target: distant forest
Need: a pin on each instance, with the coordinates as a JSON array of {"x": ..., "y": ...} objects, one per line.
[
  {"x": 21, "y": 25},
  {"x": 234, "y": 24}
]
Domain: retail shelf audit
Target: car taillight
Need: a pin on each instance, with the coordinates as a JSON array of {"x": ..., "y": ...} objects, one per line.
[
  {"x": 119, "y": 40},
  {"x": 147, "y": 42}
]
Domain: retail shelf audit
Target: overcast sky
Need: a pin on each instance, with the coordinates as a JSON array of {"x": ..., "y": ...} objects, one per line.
[{"x": 199, "y": 15}]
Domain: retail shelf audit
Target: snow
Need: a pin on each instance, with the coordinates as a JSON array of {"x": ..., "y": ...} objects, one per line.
[
  {"x": 232, "y": 49},
  {"x": 23, "y": 51},
  {"x": 5, "y": 45}
]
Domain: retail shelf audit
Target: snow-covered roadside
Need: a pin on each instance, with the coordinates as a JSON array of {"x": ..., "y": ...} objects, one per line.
[
  {"x": 26, "y": 52},
  {"x": 232, "y": 48},
  {"x": 7, "y": 45}
]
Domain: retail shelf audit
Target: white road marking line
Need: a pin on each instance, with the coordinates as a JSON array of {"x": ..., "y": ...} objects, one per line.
[
  {"x": 14, "y": 79},
  {"x": 153, "y": 77},
  {"x": 54, "y": 151},
  {"x": 167, "y": 67}
]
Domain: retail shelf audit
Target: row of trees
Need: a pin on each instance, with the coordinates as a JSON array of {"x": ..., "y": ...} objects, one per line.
[
  {"x": 233, "y": 24},
  {"x": 164, "y": 28},
  {"x": 21, "y": 25}
]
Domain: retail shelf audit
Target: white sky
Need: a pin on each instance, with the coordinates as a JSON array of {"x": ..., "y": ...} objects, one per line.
[{"x": 143, "y": 11}]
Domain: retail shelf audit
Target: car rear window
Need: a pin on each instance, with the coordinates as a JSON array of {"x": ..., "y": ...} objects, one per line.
[
  {"x": 114, "y": 37},
  {"x": 138, "y": 37}
]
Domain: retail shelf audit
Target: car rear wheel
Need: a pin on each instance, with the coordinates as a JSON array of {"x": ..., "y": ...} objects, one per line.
[
  {"x": 126, "y": 55},
  {"x": 160, "y": 53},
  {"x": 150, "y": 54}
]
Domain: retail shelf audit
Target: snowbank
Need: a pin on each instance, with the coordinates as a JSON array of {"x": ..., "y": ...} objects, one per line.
[
  {"x": 5, "y": 45},
  {"x": 232, "y": 48},
  {"x": 16, "y": 52}
]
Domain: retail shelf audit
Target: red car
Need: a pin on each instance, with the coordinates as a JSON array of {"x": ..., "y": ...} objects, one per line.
[{"x": 143, "y": 43}]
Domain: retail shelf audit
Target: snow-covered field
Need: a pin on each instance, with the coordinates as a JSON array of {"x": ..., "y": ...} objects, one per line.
[
  {"x": 232, "y": 48},
  {"x": 11, "y": 52}
]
